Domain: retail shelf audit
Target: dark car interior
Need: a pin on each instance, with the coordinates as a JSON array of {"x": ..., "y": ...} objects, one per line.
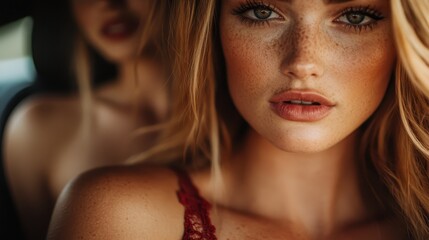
[
  {"x": 50, "y": 50},
  {"x": 12, "y": 91}
]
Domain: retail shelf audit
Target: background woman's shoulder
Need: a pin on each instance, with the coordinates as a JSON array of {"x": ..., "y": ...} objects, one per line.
[
  {"x": 35, "y": 133},
  {"x": 44, "y": 115},
  {"x": 121, "y": 202},
  {"x": 37, "y": 129}
]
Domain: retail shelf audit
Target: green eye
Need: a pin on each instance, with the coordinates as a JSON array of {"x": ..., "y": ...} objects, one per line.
[
  {"x": 359, "y": 17},
  {"x": 262, "y": 13},
  {"x": 257, "y": 13},
  {"x": 355, "y": 18}
]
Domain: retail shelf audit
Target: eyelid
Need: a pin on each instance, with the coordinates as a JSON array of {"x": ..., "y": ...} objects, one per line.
[
  {"x": 274, "y": 15},
  {"x": 363, "y": 22},
  {"x": 368, "y": 11},
  {"x": 253, "y": 4}
]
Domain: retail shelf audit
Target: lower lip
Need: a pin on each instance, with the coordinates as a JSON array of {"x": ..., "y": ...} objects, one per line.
[
  {"x": 301, "y": 113},
  {"x": 126, "y": 31}
]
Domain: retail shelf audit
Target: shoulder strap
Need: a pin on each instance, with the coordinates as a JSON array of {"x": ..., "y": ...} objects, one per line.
[{"x": 197, "y": 221}]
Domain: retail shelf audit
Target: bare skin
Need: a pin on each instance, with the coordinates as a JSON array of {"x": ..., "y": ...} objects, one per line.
[
  {"x": 289, "y": 178},
  {"x": 140, "y": 203},
  {"x": 48, "y": 129},
  {"x": 45, "y": 143}
]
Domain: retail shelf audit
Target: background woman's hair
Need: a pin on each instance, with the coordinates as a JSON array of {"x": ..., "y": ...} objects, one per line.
[{"x": 395, "y": 141}]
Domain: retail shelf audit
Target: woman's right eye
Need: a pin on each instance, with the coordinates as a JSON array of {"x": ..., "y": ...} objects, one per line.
[
  {"x": 256, "y": 12},
  {"x": 261, "y": 14}
]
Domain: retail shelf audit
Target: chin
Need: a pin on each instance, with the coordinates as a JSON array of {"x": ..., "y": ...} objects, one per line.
[
  {"x": 304, "y": 141},
  {"x": 118, "y": 55},
  {"x": 304, "y": 148}
]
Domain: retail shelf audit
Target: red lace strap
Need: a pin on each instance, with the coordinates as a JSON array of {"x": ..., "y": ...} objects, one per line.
[{"x": 197, "y": 221}]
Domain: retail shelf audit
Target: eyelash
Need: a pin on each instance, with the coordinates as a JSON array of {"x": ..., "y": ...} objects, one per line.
[
  {"x": 366, "y": 11},
  {"x": 252, "y": 5}
]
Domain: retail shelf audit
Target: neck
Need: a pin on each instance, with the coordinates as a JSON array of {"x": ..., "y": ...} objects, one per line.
[
  {"x": 317, "y": 191},
  {"x": 135, "y": 72},
  {"x": 140, "y": 83},
  {"x": 128, "y": 79}
]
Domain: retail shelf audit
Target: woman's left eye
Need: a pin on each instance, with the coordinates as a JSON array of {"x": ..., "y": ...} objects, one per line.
[
  {"x": 355, "y": 18},
  {"x": 358, "y": 18}
]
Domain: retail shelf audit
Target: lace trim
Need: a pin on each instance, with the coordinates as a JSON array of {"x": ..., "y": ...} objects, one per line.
[{"x": 197, "y": 221}]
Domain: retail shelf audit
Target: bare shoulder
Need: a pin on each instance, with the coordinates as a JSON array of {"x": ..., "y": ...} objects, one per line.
[
  {"x": 45, "y": 110},
  {"x": 34, "y": 135},
  {"x": 127, "y": 202},
  {"x": 37, "y": 128}
]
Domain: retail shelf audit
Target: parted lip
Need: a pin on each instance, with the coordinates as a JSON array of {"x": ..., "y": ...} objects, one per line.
[
  {"x": 121, "y": 24},
  {"x": 307, "y": 96}
]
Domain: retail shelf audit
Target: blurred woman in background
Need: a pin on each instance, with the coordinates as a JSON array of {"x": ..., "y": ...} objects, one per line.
[{"x": 52, "y": 138}]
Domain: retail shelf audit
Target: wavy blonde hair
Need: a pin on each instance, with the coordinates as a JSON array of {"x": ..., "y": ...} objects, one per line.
[{"x": 395, "y": 142}]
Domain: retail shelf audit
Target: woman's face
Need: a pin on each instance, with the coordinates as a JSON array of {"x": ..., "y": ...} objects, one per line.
[
  {"x": 305, "y": 74},
  {"x": 111, "y": 26}
]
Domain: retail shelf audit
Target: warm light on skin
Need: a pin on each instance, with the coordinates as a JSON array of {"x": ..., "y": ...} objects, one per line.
[
  {"x": 92, "y": 15},
  {"x": 304, "y": 47}
]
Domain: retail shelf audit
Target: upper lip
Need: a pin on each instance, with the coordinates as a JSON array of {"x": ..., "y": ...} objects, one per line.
[
  {"x": 302, "y": 96},
  {"x": 129, "y": 21}
]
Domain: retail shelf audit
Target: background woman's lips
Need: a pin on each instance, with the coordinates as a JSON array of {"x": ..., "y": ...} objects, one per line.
[
  {"x": 304, "y": 106},
  {"x": 119, "y": 28}
]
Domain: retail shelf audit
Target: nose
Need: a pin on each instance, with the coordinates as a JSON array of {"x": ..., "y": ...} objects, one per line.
[
  {"x": 302, "y": 53},
  {"x": 303, "y": 70}
]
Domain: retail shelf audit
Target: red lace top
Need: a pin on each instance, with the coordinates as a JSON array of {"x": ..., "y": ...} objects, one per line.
[{"x": 197, "y": 220}]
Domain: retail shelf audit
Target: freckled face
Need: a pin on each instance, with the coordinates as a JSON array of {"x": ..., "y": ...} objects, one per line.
[
  {"x": 342, "y": 52},
  {"x": 111, "y": 26}
]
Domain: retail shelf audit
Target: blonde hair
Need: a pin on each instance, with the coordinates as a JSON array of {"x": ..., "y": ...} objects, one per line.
[
  {"x": 397, "y": 138},
  {"x": 194, "y": 112},
  {"x": 395, "y": 141}
]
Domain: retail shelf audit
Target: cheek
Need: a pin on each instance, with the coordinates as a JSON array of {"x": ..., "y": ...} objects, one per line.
[
  {"x": 139, "y": 7},
  {"x": 251, "y": 64},
  {"x": 366, "y": 71},
  {"x": 86, "y": 18}
]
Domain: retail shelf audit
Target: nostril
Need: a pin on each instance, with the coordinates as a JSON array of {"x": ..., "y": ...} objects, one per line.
[{"x": 303, "y": 71}]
